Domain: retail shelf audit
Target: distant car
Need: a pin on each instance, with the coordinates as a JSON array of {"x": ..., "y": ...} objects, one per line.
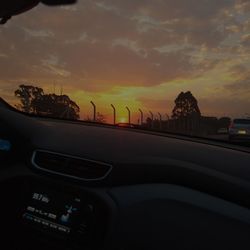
[{"x": 239, "y": 129}]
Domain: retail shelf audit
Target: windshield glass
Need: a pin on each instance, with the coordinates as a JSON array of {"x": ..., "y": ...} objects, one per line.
[{"x": 177, "y": 66}]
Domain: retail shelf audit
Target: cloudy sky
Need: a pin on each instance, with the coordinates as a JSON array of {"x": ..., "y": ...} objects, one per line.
[{"x": 136, "y": 53}]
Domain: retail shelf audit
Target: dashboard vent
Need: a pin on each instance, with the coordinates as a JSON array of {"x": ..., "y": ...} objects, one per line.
[{"x": 70, "y": 166}]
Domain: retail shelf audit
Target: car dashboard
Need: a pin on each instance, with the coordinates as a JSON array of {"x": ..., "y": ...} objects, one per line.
[{"x": 72, "y": 185}]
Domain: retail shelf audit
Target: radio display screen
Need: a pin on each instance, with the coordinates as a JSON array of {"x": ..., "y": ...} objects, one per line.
[{"x": 52, "y": 211}]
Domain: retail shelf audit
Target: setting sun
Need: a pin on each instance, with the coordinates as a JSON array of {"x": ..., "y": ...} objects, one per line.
[{"x": 122, "y": 120}]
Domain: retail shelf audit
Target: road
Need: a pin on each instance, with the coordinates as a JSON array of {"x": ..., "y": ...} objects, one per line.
[{"x": 224, "y": 137}]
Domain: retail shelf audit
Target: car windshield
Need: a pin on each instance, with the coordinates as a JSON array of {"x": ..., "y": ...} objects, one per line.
[{"x": 172, "y": 66}]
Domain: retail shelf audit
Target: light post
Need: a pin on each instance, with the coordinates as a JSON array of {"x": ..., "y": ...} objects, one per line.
[
  {"x": 94, "y": 111},
  {"x": 160, "y": 120},
  {"x": 114, "y": 114},
  {"x": 168, "y": 122},
  {"x": 152, "y": 119},
  {"x": 129, "y": 115},
  {"x": 141, "y": 116}
]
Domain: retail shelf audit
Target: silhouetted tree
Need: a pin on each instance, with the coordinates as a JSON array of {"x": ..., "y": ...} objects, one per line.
[
  {"x": 186, "y": 106},
  {"x": 33, "y": 100},
  {"x": 26, "y": 94},
  {"x": 57, "y": 106}
]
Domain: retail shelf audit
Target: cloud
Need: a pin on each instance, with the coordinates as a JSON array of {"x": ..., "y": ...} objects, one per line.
[
  {"x": 169, "y": 9},
  {"x": 65, "y": 32},
  {"x": 240, "y": 86},
  {"x": 96, "y": 45},
  {"x": 235, "y": 107},
  {"x": 157, "y": 105}
]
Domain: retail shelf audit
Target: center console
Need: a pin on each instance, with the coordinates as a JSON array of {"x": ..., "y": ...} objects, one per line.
[
  {"x": 53, "y": 216},
  {"x": 53, "y": 212}
]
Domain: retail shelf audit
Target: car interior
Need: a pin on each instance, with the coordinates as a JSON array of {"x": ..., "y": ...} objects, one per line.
[
  {"x": 130, "y": 189},
  {"x": 71, "y": 184}
]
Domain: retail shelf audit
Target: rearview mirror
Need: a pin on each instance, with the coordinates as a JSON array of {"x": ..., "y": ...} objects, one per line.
[
  {"x": 58, "y": 2},
  {"x": 9, "y": 8}
]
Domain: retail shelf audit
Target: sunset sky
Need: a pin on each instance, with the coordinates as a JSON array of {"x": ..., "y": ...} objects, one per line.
[{"x": 136, "y": 53}]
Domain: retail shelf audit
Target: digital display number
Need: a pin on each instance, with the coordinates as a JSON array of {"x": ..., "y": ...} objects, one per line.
[{"x": 40, "y": 197}]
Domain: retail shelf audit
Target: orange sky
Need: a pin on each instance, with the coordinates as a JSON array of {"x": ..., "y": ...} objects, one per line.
[{"x": 139, "y": 54}]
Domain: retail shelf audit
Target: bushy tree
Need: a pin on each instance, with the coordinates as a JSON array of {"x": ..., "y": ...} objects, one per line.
[
  {"x": 33, "y": 100},
  {"x": 27, "y": 94},
  {"x": 186, "y": 106}
]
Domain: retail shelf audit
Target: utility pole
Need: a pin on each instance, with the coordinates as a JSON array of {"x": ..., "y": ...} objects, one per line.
[
  {"x": 152, "y": 119},
  {"x": 114, "y": 113},
  {"x": 54, "y": 87},
  {"x": 129, "y": 115},
  {"x": 168, "y": 122},
  {"x": 65, "y": 114},
  {"x": 160, "y": 120},
  {"x": 61, "y": 92},
  {"x": 141, "y": 116},
  {"x": 94, "y": 111}
]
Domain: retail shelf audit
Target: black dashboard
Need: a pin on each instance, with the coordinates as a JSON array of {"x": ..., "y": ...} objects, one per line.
[{"x": 72, "y": 185}]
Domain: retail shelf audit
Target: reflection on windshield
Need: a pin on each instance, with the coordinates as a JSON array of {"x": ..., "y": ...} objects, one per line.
[{"x": 177, "y": 66}]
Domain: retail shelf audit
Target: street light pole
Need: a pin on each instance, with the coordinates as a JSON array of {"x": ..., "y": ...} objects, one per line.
[
  {"x": 114, "y": 113},
  {"x": 141, "y": 116},
  {"x": 129, "y": 115},
  {"x": 94, "y": 111},
  {"x": 152, "y": 119},
  {"x": 160, "y": 120},
  {"x": 168, "y": 122}
]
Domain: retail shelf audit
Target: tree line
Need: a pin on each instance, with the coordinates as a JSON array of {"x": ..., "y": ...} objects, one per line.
[{"x": 35, "y": 101}]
